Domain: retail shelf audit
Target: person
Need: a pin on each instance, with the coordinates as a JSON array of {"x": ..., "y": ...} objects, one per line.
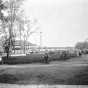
[{"x": 46, "y": 58}]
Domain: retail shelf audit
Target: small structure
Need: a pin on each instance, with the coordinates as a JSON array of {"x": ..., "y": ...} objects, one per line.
[{"x": 22, "y": 48}]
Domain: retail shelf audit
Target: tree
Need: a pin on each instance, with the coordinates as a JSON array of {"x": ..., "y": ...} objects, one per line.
[
  {"x": 12, "y": 7},
  {"x": 82, "y": 45},
  {"x": 2, "y": 18},
  {"x": 29, "y": 30},
  {"x": 15, "y": 25},
  {"x": 2, "y": 7}
]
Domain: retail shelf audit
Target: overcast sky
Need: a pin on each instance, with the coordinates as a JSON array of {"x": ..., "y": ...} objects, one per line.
[{"x": 63, "y": 22}]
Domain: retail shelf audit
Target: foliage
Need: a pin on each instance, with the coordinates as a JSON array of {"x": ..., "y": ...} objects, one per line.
[
  {"x": 82, "y": 45},
  {"x": 2, "y": 7},
  {"x": 11, "y": 7},
  {"x": 39, "y": 58}
]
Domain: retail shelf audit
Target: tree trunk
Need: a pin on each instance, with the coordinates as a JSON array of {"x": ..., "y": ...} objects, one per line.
[{"x": 8, "y": 55}]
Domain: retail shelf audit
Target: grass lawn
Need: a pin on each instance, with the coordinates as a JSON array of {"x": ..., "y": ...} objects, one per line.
[
  {"x": 73, "y": 71},
  {"x": 33, "y": 58}
]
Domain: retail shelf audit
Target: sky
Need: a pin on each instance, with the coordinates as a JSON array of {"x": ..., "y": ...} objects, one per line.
[{"x": 63, "y": 22}]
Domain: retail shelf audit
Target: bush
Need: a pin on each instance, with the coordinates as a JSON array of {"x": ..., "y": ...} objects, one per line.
[
  {"x": 32, "y": 58},
  {"x": 39, "y": 58}
]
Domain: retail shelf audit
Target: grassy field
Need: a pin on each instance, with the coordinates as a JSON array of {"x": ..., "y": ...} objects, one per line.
[{"x": 71, "y": 72}]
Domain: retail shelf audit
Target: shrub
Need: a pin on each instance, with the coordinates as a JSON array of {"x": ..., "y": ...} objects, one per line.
[{"x": 39, "y": 58}]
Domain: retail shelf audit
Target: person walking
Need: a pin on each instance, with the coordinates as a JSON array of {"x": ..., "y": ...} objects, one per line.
[{"x": 46, "y": 58}]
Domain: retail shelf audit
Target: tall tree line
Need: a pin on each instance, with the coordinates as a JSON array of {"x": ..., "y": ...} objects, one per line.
[{"x": 13, "y": 23}]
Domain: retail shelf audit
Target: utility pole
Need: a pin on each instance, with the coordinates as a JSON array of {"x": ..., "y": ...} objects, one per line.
[{"x": 40, "y": 41}]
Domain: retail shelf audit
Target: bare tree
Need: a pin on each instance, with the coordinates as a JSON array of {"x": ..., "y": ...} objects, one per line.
[
  {"x": 8, "y": 24},
  {"x": 16, "y": 25},
  {"x": 25, "y": 29}
]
